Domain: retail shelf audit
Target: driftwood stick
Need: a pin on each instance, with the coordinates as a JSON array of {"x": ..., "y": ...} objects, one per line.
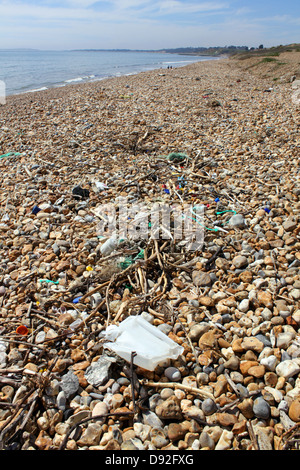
[
  {"x": 231, "y": 383},
  {"x": 194, "y": 390},
  {"x": 185, "y": 332},
  {"x": 133, "y": 354},
  {"x": 156, "y": 314},
  {"x": 93, "y": 291},
  {"x": 26, "y": 418},
  {"x": 252, "y": 435},
  {"x": 8, "y": 381},
  {"x": 288, "y": 435},
  {"x": 17, "y": 415},
  {"x": 11, "y": 371},
  {"x": 31, "y": 345}
]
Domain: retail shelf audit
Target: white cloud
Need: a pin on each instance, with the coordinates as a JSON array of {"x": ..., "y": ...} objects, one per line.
[
  {"x": 144, "y": 24},
  {"x": 175, "y": 6},
  {"x": 76, "y": 12}
]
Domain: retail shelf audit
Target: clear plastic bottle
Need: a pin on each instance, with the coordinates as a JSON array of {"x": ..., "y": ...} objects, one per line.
[{"x": 109, "y": 246}]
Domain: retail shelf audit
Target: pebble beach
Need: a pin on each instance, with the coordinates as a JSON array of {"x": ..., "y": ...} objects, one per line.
[{"x": 223, "y": 134}]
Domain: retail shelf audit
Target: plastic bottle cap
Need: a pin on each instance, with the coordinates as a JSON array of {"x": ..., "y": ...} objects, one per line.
[{"x": 22, "y": 330}]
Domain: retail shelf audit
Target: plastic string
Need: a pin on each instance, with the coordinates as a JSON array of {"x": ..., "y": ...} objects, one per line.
[
  {"x": 222, "y": 212},
  {"x": 216, "y": 229}
]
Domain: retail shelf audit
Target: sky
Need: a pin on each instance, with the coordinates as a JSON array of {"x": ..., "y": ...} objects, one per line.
[{"x": 147, "y": 24}]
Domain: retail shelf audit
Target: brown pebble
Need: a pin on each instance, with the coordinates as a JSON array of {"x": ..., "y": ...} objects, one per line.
[
  {"x": 256, "y": 371},
  {"x": 220, "y": 386},
  {"x": 246, "y": 365},
  {"x": 176, "y": 431},
  {"x": 169, "y": 409},
  {"x": 246, "y": 408},
  {"x": 226, "y": 419},
  {"x": 239, "y": 427},
  {"x": 294, "y": 410}
]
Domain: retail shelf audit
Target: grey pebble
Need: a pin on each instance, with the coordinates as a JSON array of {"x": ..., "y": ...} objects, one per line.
[
  {"x": 173, "y": 374},
  {"x": 165, "y": 328},
  {"x": 261, "y": 408},
  {"x": 96, "y": 396},
  {"x": 237, "y": 221},
  {"x": 243, "y": 391},
  {"x": 209, "y": 406},
  {"x": 61, "y": 400},
  {"x": 206, "y": 441},
  {"x": 69, "y": 384},
  {"x": 152, "y": 419},
  {"x": 98, "y": 372},
  {"x": 155, "y": 400},
  {"x": 264, "y": 340}
]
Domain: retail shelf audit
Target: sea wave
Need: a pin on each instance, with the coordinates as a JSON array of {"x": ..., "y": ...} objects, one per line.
[
  {"x": 36, "y": 89},
  {"x": 54, "y": 69},
  {"x": 71, "y": 80},
  {"x": 79, "y": 79}
]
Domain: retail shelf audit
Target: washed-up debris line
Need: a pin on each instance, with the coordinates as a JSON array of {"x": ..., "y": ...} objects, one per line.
[{"x": 206, "y": 135}]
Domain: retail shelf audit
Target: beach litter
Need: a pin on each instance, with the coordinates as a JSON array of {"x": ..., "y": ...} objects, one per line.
[
  {"x": 150, "y": 345},
  {"x": 145, "y": 340}
]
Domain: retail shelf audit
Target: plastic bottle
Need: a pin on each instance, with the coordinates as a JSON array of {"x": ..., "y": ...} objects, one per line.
[{"x": 109, "y": 246}]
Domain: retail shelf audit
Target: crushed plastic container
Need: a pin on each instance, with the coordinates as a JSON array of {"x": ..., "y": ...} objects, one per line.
[
  {"x": 109, "y": 246},
  {"x": 137, "y": 335}
]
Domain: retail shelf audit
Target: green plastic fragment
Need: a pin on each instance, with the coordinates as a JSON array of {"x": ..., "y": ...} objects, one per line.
[
  {"x": 140, "y": 255},
  {"x": 10, "y": 154},
  {"x": 176, "y": 157},
  {"x": 129, "y": 260},
  {"x": 48, "y": 281}
]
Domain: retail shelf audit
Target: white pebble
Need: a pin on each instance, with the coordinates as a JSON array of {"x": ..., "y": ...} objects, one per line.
[
  {"x": 288, "y": 368},
  {"x": 224, "y": 442}
]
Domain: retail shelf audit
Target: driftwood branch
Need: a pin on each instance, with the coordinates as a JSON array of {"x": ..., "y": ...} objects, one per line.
[{"x": 193, "y": 390}]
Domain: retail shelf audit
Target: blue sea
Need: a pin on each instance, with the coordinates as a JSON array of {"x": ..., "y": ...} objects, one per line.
[{"x": 32, "y": 70}]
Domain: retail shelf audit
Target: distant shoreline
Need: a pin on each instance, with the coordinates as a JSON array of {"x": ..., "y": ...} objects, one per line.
[
  {"x": 33, "y": 71},
  {"x": 62, "y": 91}
]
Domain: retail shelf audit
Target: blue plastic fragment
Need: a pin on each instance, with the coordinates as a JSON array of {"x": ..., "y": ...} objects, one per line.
[{"x": 35, "y": 210}]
